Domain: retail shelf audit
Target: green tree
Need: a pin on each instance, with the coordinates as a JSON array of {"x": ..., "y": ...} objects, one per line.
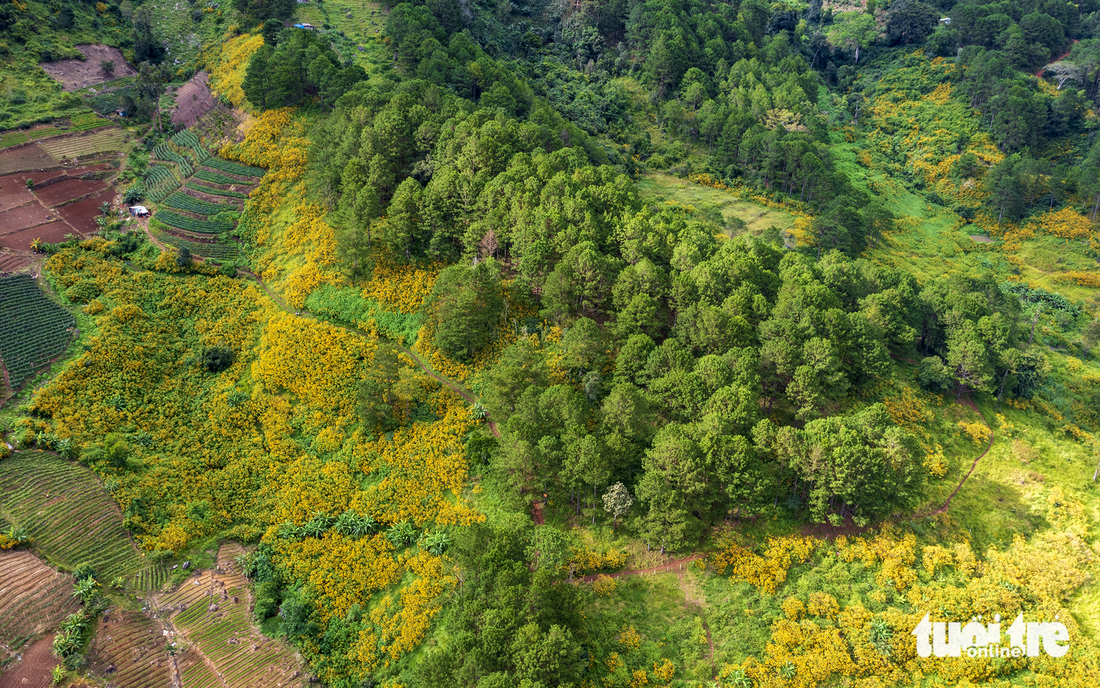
[
  {"x": 464, "y": 308},
  {"x": 853, "y": 32},
  {"x": 673, "y": 484},
  {"x": 968, "y": 359}
]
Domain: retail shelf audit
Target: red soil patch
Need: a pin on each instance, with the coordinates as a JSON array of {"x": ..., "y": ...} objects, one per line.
[
  {"x": 30, "y": 215},
  {"x": 67, "y": 190},
  {"x": 193, "y": 100},
  {"x": 14, "y": 192},
  {"x": 82, "y": 214},
  {"x": 51, "y": 233},
  {"x": 12, "y": 262},
  {"x": 34, "y": 670},
  {"x": 32, "y": 157},
  {"x": 74, "y": 74}
]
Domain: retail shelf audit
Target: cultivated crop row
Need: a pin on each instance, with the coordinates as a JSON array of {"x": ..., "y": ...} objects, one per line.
[
  {"x": 214, "y": 191},
  {"x": 33, "y": 596},
  {"x": 129, "y": 646},
  {"x": 190, "y": 224},
  {"x": 216, "y": 617},
  {"x": 164, "y": 152},
  {"x": 160, "y": 182},
  {"x": 215, "y": 178},
  {"x": 235, "y": 168},
  {"x": 187, "y": 139},
  {"x": 68, "y": 514},
  {"x": 88, "y": 120},
  {"x": 33, "y": 329},
  {"x": 12, "y": 138},
  {"x": 182, "y": 201},
  {"x": 217, "y": 251},
  {"x": 71, "y": 146}
]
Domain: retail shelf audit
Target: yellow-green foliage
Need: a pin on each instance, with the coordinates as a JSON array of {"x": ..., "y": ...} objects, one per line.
[{"x": 826, "y": 639}]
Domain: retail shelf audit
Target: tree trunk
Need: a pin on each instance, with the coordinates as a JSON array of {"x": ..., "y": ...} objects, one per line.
[{"x": 1035, "y": 320}]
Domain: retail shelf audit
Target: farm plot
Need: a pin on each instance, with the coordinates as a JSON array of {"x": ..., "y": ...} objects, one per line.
[
  {"x": 33, "y": 671},
  {"x": 34, "y": 598},
  {"x": 193, "y": 100},
  {"x": 68, "y": 513},
  {"x": 164, "y": 152},
  {"x": 88, "y": 121},
  {"x": 51, "y": 233},
  {"x": 74, "y": 74},
  {"x": 10, "y": 262},
  {"x": 129, "y": 650},
  {"x": 33, "y": 329},
  {"x": 230, "y": 167},
  {"x": 215, "y": 191},
  {"x": 13, "y": 138},
  {"x": 160, "y": 181},
  {"x": 26, "y": 158},
  {"x": 68, "y": 189},
  {"x": 30, "y": 215},
  {"x": 62, "y": 147},
  {"x": 218, "y": 178},
  {"x": 192, "y": 204},
  {"x": 14, "y": 192},
  {"x": 211, "y": 611},
  {"x": 82, "y": 214},
  {"x": 192, "y": 225},
  {"x": 217, "y": 251}
]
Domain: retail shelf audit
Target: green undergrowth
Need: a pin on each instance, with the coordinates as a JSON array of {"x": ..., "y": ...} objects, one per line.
[{"x": 345, "y": 305}]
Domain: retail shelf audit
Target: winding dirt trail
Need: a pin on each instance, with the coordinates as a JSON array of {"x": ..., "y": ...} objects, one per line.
[
  {"x": 992, "y": 435},
  {"x": 1039, "y": 73},
  {"x": 462, "y": 392}
]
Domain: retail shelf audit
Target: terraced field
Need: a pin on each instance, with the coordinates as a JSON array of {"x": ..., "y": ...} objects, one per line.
[
  {"x": 130, "y": 651},
  {"x": 217, "y": 251},
  {"x": 67, "y": 512},
  {"x": 74, "y": 146},
  {"x": 34, "y": 598},
  {"x": 210, "y": 613},
  {"x": 33, "y": 329}
]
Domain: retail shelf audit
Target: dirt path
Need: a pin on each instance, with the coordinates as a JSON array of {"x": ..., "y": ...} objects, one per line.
[
  {"x": 670, "y": 567},
  {"x": 1039, "y": 73},
  {"x": 992, "y": 435},
  {"x": 828, "y": 531},
  {"x": 415, "y": 359}
]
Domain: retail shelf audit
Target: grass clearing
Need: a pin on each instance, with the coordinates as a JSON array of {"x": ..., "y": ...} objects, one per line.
[{"x": 714, "y": 205}]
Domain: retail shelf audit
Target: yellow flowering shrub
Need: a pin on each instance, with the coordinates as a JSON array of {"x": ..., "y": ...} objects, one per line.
[
  {"x": 630, "y": 638},
  {"x": 765, "y": 571},
  {"x": 664, "y": 671},
  {"x": 226, "y": 62},
  {"x": 823, "y": 605},
  {"x": 793, "y": 608},
  {"x": 977, "y": 432},
  {"x": 401, "y": 288},
  {"x": 586, "y": 560},
  {"x": 1066, "y": 223},
  {"x": 604, "y": 585}
]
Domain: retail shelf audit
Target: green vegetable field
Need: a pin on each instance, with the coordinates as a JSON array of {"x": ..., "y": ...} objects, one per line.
[{"x": 33, "y": 329}]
